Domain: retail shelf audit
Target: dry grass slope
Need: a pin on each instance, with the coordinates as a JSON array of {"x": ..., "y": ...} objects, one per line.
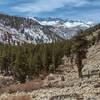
[{"x": 21, "y": 96}]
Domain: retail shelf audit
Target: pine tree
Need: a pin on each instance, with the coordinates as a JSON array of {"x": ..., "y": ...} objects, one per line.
[
  {"x": 80, "y": 49},
  {"x": 20, "y": 65}
]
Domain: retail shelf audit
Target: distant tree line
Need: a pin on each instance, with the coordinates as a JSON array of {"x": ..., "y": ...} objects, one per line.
[{"x": 31, "y": 59}]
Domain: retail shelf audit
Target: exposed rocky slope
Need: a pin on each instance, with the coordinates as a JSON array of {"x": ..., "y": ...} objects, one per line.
[
  {"x": 70, "y": 88},
  {"x": 92, "y": 62},
  {"x": 19, "y": 29}
]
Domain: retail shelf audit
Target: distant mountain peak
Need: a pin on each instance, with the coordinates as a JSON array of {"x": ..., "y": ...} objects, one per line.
[{"x": 64, "y": 22}]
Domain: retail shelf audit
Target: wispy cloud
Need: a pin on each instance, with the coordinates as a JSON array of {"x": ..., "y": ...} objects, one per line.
[
  {"x": 46, "y": 5},
  {"x": 75, "y": 9}
]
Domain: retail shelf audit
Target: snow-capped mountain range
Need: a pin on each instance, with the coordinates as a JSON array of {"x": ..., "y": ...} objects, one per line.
[
  {"x": 57, "y": 22},
  {"x": 64, "y": 27},
  {"x": 38, "y": 30}
]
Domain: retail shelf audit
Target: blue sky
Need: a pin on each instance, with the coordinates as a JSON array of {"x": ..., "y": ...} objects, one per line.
[{"x": 87, "y": 10}]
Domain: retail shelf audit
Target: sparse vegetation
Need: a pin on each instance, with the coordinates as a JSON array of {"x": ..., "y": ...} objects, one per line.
[{"x": 21, "y": 96}]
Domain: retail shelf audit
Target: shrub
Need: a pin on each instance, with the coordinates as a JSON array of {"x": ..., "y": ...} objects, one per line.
[{"x": 51, "y": 68}]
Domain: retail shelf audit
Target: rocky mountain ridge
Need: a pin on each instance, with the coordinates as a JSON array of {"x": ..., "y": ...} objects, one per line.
[{"x": 15, "y": 29}]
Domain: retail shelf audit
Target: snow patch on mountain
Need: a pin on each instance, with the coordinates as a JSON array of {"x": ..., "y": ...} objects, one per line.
[
  {"x": 51, "y": 23},
  {"x": 67, "y": 24}
]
